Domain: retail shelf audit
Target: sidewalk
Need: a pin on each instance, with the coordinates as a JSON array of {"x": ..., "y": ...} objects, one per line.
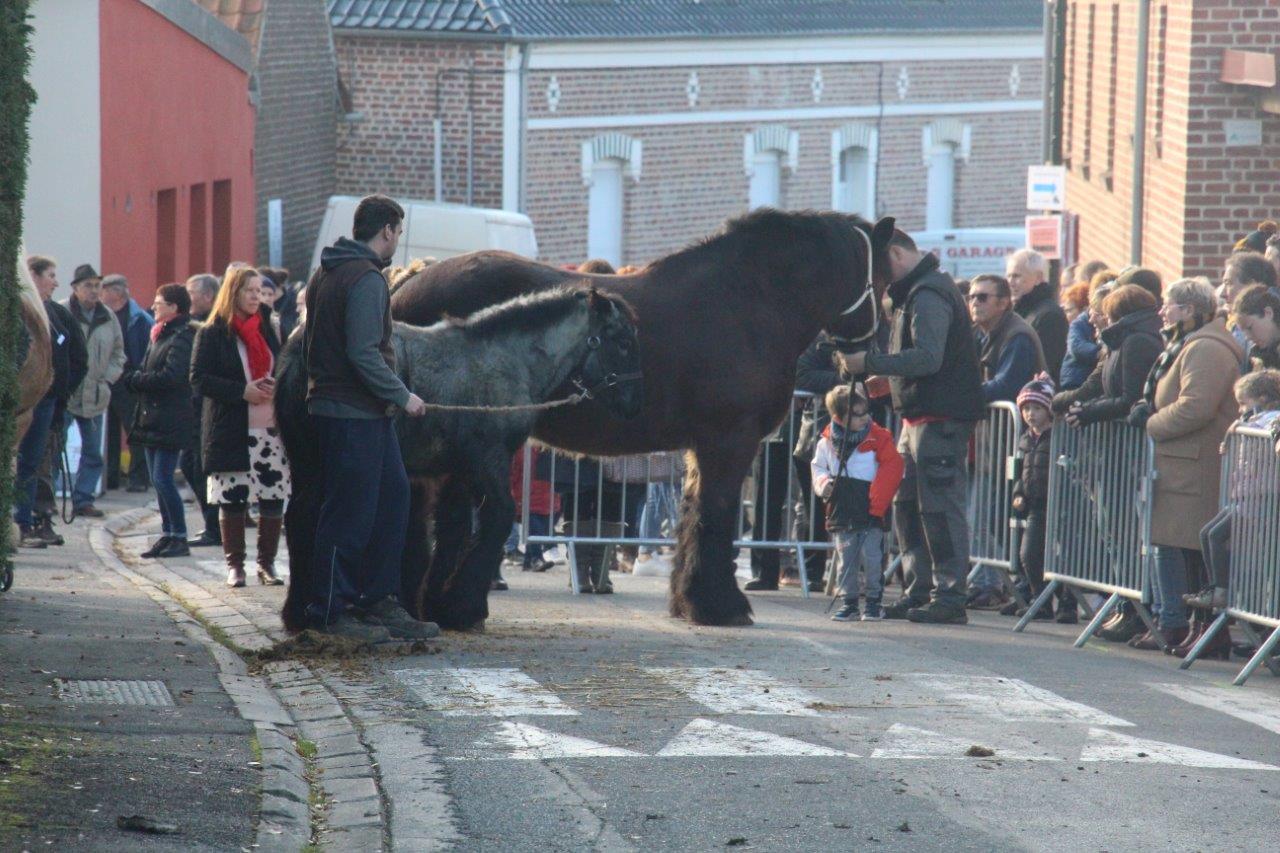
[{"x": 176, "y": 752}]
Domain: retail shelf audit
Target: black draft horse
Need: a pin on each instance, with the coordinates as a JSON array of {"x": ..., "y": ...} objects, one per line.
[
  {"x": 513, "y": 355},
  {"x": 721, "y": 325}
]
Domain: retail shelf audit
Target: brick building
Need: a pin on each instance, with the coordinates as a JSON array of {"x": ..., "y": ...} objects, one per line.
[
  {"x": 294, "y": 86},
  {"x": 1211, "y": 128},
  {"x": 626, "y": 129}
]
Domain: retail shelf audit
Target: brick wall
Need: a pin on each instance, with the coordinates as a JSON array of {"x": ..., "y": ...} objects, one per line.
[
  {"x": 388, "y": 145},
  {"x": 294, "y": 158},
  {"x": 1200, "y": 196}
]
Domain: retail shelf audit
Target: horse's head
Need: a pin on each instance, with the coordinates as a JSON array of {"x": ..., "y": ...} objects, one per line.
[
  {"x": 867, "y": 270},
  {"x": 610, "y": 372}
]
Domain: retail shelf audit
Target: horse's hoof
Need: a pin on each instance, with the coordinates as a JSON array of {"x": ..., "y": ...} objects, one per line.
[
  {"x": 732, "y": 620},
  {"x": 474, "y": 628}
]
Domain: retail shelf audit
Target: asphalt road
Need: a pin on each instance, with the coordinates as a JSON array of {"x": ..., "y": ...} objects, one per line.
[{"x": 597, "y": 722}]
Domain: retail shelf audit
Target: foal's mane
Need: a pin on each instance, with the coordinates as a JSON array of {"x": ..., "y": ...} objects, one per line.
[
  {"x": 769, "y": 230},
  {"x": 530, "y": 313}
]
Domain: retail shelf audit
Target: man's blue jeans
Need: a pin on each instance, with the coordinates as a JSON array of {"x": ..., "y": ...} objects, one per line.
[
  {"x": 360, "y": 532},
  {"x": 30, "y": 451},
  {"x": 1169, "y": 582},
  {"x": 89, "y": 474}
]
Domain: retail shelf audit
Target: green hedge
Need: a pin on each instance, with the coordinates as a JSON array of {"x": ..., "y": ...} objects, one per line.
[{"x": 16, "y": 98}]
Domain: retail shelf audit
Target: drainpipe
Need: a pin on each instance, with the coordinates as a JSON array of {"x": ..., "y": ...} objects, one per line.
[
  {"x": 525, "y": 50},
  {"x": 437, "y": 157},
  {"x": 1140, "y": 135}
]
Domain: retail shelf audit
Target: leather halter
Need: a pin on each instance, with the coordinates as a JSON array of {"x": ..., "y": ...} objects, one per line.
[
  {"x": 867, "y": 293},
  {"x": 605, "y": 382}
]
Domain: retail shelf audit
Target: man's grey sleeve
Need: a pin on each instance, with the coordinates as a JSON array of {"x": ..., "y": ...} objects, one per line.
[
  {"x": 930, "y": 320},
  {"x": 366, "y": 307}
]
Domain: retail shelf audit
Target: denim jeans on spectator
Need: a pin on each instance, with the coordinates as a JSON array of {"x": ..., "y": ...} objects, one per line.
[
  {"x": 89, "y": 474},
  {"x": 659, "y": 506},
  {"x": 1169, "y": 585},
  {"x": 539, "y": 525},
  {"x": 162, "y": 462},
  {"x": 860, "y": 551},
  {"x": 30, "y": 451},
  {"x": 513, "y": 541}
]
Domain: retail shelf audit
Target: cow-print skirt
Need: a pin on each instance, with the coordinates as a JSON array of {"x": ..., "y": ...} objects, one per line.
[{"x": 267, "y": 478}]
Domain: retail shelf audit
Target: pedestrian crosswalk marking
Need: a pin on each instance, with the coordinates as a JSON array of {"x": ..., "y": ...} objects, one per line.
[
  {"x": 902, "y": 741},
  {"x": 1104, "y": 745},
  {"x": 482, "y": 692},
  {"x": 523, "y": 741},
  {"x": 708, "y": 739},
  {"x": 727, "y": 690},
  {"x": 1014, "y": 700},
  {"x": 1256, "y": 708}
]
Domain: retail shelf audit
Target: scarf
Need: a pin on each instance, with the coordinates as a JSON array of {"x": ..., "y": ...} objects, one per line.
[
  {"x": 159, "y": 327},
  {"x": 250, "y": 331},
  {"x": 846, "y": 441},
  {"x": 1177, "y": 338}
]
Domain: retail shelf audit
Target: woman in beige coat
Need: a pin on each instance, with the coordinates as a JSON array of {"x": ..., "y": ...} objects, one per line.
[{"x": 1187, "y": 408}]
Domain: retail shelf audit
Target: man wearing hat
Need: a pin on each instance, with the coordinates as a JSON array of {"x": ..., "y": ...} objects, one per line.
[{"x": 89, "y": 401}]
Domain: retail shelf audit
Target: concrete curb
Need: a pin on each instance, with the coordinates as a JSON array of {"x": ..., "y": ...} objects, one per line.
[{"x": 332, "y": 793}]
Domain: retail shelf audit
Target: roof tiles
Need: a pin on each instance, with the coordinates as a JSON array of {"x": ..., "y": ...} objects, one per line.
[{"x": 243, "y": 16}]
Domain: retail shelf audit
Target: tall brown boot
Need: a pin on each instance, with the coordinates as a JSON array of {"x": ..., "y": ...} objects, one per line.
[
  {"x": 232, "y": 527},
  {"x": 268, "y": 545}
]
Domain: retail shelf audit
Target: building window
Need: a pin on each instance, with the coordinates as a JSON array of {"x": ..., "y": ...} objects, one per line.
[
  {"x": 765, "y": 153},
  {"x": 221, "y": 226},
  {"x": 854, "y": 149},
  {"x": 166, "y": 232},
  {"x": 606, "y": 161},
  {"x": 943, "y": 142},
  {"x": 198, "y": 231}
]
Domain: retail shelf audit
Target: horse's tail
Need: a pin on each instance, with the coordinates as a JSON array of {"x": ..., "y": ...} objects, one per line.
[{"x": 302, "y": 447}]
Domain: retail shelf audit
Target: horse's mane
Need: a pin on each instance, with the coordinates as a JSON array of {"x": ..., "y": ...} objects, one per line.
[
  {"x": 530, "y": 313},
  {"x": 765, "y": 229}
]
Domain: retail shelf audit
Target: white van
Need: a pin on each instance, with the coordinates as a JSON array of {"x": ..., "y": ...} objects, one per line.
[
  {"x": 966, "y": 252},
  {"x": 435, "y": 229}
]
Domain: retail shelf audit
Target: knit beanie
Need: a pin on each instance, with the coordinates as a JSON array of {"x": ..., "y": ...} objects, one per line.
[
  {"x": 1256, "y": 241},
  {"x": 1039, "y": 390}
]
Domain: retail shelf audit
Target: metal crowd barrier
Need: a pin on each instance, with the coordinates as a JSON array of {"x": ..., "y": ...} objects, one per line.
[
  {"x": 1251, "y": 490},
  {"x": 614, "y": 489},
  {"x": 1099, "y": 525},
  {"x": 994, "y": 534}
]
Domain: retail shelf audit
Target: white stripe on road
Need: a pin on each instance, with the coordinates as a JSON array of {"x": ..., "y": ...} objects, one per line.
[
  {"x": 523, "y": 741},
  {"x": 705, "y": 738},
  {"x": 1256, "y": 708},
  {"x": 903, "y": 741},
  {"x": 1104, "y": 745},
  {"x": 1013, "y": 700},
  {"x": 738, "y": 691},
  {"x": 482, "y": 692}
]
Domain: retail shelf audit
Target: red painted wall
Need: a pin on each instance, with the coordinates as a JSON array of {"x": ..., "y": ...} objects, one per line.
[{"x": 175, "y": 115}]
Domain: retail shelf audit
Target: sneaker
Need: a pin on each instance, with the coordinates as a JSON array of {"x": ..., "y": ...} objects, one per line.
[
  {"x": 873, "y": 613},
  {"x": 1044, "y": 614},
  {"x": 44, "y": 529},
  {"x": 30, "y": 538},
  {"x": 350, "y": 628},
  {"x": 1067, "y": 614},
  {"x": 758, "y": 585},
  {"x": 177, "y": 547},
  {"x": 155, "y": 550},
  {"x": 848, "y": 613},
  {"x": 207, "y": 539},
  {"x": 515, "y": 555},
  {"x": 900, "y": 608},
  {"x": 388, "y": 614},
  {"x": 498, "y": 584},
  {"x": 939, "y": 613},
  {"x": 89, "y": 511}
]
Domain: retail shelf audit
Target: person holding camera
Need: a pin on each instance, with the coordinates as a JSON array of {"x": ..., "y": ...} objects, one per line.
[{"x": 241, "y": 450}]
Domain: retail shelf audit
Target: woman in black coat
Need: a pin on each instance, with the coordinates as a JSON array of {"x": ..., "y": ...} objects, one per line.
[
  {"x": 162, "y": 419},
  {"x": 241, "y": 448}
]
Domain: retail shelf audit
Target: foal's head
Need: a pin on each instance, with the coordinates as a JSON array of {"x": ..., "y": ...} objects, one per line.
[{"x": 611, "y": 368}]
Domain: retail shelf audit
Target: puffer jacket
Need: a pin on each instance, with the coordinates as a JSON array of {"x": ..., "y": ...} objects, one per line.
[
  {"x": 105, "y": 344},
  {"x": 163, "y": 416},
  {"x": 1033, "y": 483},
  {"x": 1133, "y": 344}
]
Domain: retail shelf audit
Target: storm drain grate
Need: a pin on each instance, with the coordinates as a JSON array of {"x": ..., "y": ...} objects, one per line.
[{"x": 109, "y": 692}]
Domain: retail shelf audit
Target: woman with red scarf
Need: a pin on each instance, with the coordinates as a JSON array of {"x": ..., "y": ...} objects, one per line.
[
  {"x": 232, "y": 369},
  {"x": 163, "y": 419}
]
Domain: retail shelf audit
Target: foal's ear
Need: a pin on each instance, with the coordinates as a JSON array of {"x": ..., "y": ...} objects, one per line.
[
  {"x": 595, "y": 301},
  {"x": 882, "y": 233}
]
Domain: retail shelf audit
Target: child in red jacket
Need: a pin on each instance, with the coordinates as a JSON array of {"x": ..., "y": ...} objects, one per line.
[{"x": 856, "y": 472}]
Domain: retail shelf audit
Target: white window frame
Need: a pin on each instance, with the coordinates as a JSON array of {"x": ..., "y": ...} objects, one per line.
[
  {"x": 854, "y": 136},
  {"x": 942, "y": 143},
  {"x": 607, "y": 160},
  {"x": 766, "y": 152}
]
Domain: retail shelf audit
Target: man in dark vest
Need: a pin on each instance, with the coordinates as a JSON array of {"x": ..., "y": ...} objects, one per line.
[
  {"x": 934, "y": 378},
  {"x": 353, "y": 393}
]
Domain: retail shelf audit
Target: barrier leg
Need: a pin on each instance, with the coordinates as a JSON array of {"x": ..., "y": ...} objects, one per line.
[
  {"x": 803, "y": 570},
  {"x": 573, "y": 568},
  {"x": 1150, "y": 622},
  {"x": 1204, "y": 640},
  {"x": 893, "y": 568},
  {"x": 1263, "y": 653},
  {"x": 830, "y": 564},
  {"x": 1044, "y": 596},
  {"x": 1098, "y": 619}
]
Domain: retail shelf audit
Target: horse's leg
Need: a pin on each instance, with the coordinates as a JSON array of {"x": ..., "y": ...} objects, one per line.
[
  {"x": 703, "y": 587},
  {"x": 417, "y": 546},
  {"x": 466, "y": 593},
  {"x": 452, "y": 527}
]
